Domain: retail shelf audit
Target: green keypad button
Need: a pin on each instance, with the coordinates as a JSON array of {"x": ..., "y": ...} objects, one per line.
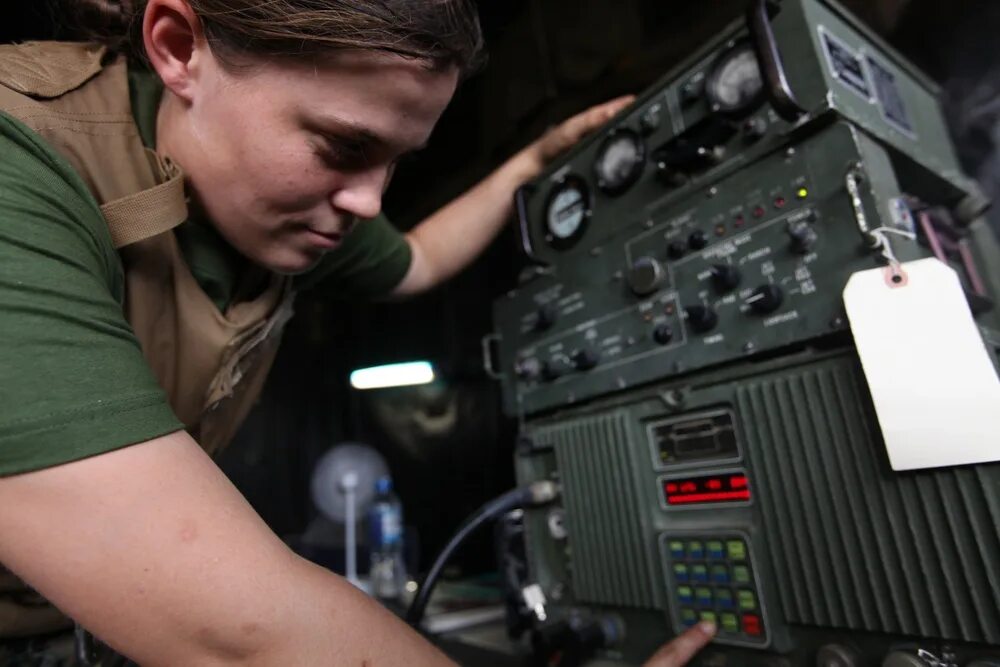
[
  {"x": 681, "y": 572},
  {"x": 688, "y": 617},
  {"x": 708, "y": 616},
  {"x": 699, "y": 573},
  {"x": 677, "y": 549},
  {"x": 715, "y": 549},
  {"x": 685, "y": 594},
  {"x": 748, "y": 601},
  {"x": 741, "y": 574},
  {"x": 696, "y": 550},
  {"x": 730, "y": 623},
  {"x": 720, "y": 574},
  {"x": 703, "y": 596},
  {"x": 737, "y": 550}
]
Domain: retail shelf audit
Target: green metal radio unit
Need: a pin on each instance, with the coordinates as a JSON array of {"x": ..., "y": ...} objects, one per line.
[{"x": 680, "y": 361}]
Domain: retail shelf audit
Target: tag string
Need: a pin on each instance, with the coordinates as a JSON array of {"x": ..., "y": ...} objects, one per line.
[{"x": 880, "y": 240}]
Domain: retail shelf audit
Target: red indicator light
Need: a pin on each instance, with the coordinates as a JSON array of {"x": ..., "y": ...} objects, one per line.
[
  {"x": 713, "y": 497},
  {"x": 779, "y": 202},
  {"x": 740, "y": 220},
  {"x": 758, "y": 212},
  {"x": 707, "y": 489},
  {"x": 751, "y": 624}
]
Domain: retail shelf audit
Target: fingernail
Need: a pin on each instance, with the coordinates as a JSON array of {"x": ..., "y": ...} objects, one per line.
[{"x": 708, "y": 627}]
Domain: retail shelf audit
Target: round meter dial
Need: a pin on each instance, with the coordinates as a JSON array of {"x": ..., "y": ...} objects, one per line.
[
  {"x": 619, "y": 162},
  {"x": 735, "y": 85},
  {"x": 566, "y": 212}
]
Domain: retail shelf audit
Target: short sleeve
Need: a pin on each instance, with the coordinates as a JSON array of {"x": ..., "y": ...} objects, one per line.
[
  {"x": 370, "y": 263},
  {"x": 74, "y": 380}
]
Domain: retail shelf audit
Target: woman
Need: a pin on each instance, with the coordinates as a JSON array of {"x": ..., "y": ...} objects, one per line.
[{"x": 154, "y": 233}]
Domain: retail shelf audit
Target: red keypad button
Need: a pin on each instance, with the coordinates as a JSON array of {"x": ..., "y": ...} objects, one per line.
[{"x": 751, "y": 624}]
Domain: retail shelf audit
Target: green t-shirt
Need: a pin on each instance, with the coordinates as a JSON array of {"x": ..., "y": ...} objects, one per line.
[{"x": 73, "y": 381}]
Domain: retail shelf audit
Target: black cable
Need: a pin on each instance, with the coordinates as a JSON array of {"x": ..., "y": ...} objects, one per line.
[{"x": 525, "y": 495}]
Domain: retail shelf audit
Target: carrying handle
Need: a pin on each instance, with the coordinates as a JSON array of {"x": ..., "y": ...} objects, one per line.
[
  {"x": 488, "y": 341},
  {"x": 523, "y": 228},
  {"x": 779, "y": 92}
]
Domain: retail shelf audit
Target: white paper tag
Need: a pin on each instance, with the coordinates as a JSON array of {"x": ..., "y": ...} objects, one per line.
[{"x": 935, "y": 389}]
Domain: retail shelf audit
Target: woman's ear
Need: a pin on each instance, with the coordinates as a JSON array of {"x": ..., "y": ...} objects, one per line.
[{"x": 175, "y": 45}]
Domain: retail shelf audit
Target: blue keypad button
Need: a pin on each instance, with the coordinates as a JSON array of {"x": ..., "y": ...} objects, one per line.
[
  {"x": 685, "y": 594},
  {"x": 681, "y": 573},
  {"x": 696, "y": 550},
  {"x": 689, "y": 616},
  {"x": 704, "y": 596},
  {"x": 724, "y": 598},
  {"x": 720, "y": 574},
  {"x": 699, "y": 573},
  {"x": 677, "y": 549},
  {"x": 715, "y": 549}
]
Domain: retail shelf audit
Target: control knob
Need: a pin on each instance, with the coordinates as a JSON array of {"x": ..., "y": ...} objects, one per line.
[
  {"x": 802, "y": 235},
  {"x": 546, "y": 316},
  {"x": 676, "y": 249},
  {"x": 650, "y": 120},
  {"x": 702, "y": 318},
  {"x": 726, "y": 277},
  {"x": 586, "y": 358},
  {"x": 698, "y": 239},
  {"x": 528, "y": 369},
  {"x": 754, "y": 129},
  {"x": 766, "y": 299},
  {"x": 555, "y": 368},
  {"x": 663, "y": 334},
  {"x": 645, "y": 275}
]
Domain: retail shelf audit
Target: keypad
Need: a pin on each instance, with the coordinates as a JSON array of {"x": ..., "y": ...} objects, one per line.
[{"x": 711, "y": 578}]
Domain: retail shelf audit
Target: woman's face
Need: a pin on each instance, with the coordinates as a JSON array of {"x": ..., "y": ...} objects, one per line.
[{"x": 285, "y": 159}]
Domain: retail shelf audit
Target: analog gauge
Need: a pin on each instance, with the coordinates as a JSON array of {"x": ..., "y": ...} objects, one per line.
[
  {"x": 619, "y": 161},
  {"x": 735, "y": 85},
  {"x": 566, "y": 212}
]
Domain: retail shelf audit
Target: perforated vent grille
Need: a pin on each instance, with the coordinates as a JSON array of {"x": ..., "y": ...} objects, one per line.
[
  {"x": 611, "y": 562},
  {"x": 854, "y": 544}
]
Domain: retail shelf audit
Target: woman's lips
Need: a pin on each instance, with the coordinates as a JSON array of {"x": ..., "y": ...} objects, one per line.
[{"x": 323, "y": 240}]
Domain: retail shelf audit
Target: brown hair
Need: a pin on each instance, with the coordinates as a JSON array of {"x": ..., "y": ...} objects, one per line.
[{"x": 441, "y": 33}]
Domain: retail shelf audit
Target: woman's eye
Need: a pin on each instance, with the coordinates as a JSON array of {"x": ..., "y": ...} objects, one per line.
[{"x": 342, "y": 154}]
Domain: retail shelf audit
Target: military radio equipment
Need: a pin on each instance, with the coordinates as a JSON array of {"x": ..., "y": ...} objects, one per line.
[{"x": 680, "y": 362}]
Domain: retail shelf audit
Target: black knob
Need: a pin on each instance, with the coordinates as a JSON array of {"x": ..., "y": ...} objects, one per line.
[
  {"x": 803, "y": 236},
  {"x": 555, "y": 368},
  {"x": 586, "y": 358},
  {"x": 663, "y": 334},
  {"x": 546, "y": 316},
  {"x": 645, "y": 275},
  {"x": 754, "y": 128},
  {"x": 670, "y": 176},
  {"x": 702, "y": 318},
  {"x": 691, "y": 91},
  {"x": 676, "y": 249},
  {"x": 697, "y": 239},
  {"x": 650, "y": 120},
  {"x": 766, "y": 299},
  {"x": 528, "y": 369},
  {"x": 726, "y": 277}
]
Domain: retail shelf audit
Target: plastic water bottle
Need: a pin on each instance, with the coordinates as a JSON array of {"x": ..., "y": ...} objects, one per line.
[{"x": 385, "y": 541}]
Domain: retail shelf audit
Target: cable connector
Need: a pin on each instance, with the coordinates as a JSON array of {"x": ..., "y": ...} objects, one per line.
[
  {"x": 545, "y": 491},
  {"x": 534, "y": 599}
]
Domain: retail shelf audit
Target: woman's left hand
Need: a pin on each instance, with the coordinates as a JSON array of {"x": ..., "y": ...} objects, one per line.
[{"x": 563, "y": 136}]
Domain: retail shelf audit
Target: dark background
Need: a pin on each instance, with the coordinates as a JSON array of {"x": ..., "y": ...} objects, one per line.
[{"x": 448, "y": 446}]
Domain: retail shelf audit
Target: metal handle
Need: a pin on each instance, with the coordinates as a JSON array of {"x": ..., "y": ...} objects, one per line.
[
  {"x": 487, "y": 342},
  {"x": 779, "y": 92}
]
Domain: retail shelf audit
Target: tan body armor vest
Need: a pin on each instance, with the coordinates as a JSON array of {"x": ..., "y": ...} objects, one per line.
[{"x": 212, "y": 365}]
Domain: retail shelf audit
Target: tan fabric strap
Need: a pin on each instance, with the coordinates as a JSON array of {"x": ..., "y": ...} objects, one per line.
[{"x": 147, "y": 213}]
